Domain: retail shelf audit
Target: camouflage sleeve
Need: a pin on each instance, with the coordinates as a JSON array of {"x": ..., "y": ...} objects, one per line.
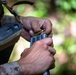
[{"x": 12, "y": 68}]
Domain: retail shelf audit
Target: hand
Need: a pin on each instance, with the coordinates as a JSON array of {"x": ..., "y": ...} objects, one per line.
[
  {"x": 32, "y": 25},
  {"x": 38, "y": 58}
]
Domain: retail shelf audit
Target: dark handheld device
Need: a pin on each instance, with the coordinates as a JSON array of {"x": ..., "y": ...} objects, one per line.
[
  {"x": 36, "y": 38},
  {"x": 9, "y": 34}
]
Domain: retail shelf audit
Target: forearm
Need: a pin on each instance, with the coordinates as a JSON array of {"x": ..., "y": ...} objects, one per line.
[{"x": 10, "y": 69}]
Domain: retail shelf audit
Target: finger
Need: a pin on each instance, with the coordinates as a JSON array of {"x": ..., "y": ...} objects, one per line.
[
  {"x": 51, "y": 50},
  {"x": 31, "y": 32},
  {"x": 35, "y": 26},
  {"x": 47, "y": 27},
  {"x": 47, "y": 41},
  {"x": 52, "y": 62},
  {"x": 25, "y": 34}
]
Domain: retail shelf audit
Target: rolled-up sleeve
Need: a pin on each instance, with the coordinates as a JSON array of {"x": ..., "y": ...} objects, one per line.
[{"x": 12, "y": 68}]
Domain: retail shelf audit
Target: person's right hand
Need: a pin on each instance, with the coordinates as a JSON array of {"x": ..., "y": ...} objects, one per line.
[{"x": 38, "y": 58}]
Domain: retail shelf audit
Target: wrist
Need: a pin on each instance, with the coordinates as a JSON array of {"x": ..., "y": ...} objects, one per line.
[
  {"x": 26, "y": 68},
  {"x": 12, "y": 68}
]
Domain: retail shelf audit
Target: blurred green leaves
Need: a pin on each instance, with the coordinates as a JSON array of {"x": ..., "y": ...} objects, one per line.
[
  {"x": 66, "y": 5},
  {"x": 73, "y": 4}
]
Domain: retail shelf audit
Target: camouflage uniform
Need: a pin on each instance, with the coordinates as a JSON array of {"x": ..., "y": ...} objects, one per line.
[{"x": 12, "y": 68}]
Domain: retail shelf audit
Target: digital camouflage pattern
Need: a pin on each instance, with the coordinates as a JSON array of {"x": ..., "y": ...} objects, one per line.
[{"x": 10, "y": 69}]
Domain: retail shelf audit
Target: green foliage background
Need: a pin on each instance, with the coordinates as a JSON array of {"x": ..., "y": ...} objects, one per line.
[{"x": 62, "y": 14}]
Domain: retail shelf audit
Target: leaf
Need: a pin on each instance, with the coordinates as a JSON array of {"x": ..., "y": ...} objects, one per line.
[
  {"x": 73, "y": 4},
  {"x": 65, "y": 5}
]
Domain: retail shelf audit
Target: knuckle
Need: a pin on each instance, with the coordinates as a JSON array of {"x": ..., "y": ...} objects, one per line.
[
  {"x": 54, "y": 51},
  {"x": 37, "y": 42},
  {"x": 51, "y": 40},
  {"x": 44, "y": 46}
]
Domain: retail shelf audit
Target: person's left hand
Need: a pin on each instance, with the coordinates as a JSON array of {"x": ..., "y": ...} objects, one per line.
[{"x": 32, "y": 25}]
